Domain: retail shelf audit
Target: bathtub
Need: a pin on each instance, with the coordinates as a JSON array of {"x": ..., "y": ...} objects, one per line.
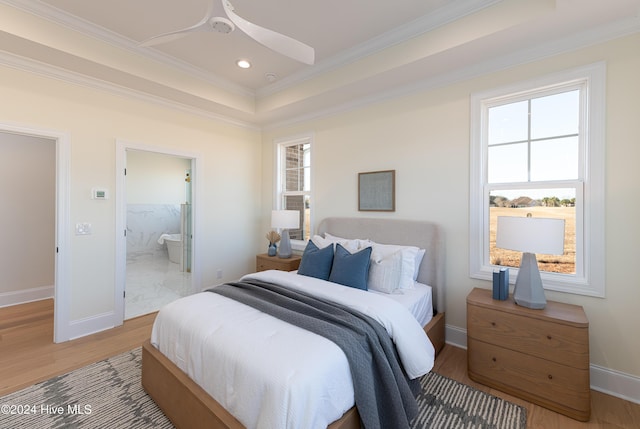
[{"x": 174, "y": 246}]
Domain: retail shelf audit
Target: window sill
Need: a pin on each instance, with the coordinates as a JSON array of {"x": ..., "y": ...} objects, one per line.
[
  {"x": 298, "y": 246},
  {"x": 550, "y": 281}
]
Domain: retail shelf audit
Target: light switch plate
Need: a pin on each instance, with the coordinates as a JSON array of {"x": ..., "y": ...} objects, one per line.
[{"x": 83, "y": 228}]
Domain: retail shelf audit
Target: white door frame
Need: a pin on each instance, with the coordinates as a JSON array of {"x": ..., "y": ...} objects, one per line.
[
  {"x": 121, "y": 217},
  {"x": 62, "y": 288}
]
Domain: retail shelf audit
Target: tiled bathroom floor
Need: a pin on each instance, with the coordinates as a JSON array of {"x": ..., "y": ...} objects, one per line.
[{"x": 153, "y": 281}]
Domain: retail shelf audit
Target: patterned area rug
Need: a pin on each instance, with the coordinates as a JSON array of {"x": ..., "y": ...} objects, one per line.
[
  {"x": 446, "y": 403},
  {"x": 108, "y": 394}
]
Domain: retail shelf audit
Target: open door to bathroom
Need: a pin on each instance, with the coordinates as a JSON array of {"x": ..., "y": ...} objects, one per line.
[{"x": 157, "y": 218}]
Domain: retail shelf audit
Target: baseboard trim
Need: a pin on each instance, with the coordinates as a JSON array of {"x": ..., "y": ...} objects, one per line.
[
  {"x": 615, "y": 383},
  {"x": 604, "y": 380},
  {"x": 455, "y": 336},
  {"x": 27, "y": 295},
  {"x": 91, "y": 325}
]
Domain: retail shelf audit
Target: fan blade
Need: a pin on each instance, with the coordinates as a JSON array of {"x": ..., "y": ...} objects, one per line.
[
  {"x": 167, "y": 37},
  {"x": 202, "y": 25},
  {"x": 280, "y": 43}
]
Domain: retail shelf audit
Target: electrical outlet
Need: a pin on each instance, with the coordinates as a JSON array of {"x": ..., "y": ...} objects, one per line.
[{"x": 219, "y": 274}]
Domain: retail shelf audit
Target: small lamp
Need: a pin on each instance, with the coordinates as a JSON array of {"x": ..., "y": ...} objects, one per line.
[
  {"x": 530, "y": 235},
  {"x": 285, "y": 219}
]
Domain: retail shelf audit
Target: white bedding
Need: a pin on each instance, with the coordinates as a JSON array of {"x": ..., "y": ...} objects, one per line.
[
  {"x": 417, "y": 300},
  {"x": 268, "y": 373}
]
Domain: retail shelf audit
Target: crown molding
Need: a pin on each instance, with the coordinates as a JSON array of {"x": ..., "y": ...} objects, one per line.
[
  {"x": 446, "y": 14},
  {"x": 585, "y": 39},
  {"x": 74, "y": 23},
  {"x": 597, "y": 35},
  {"x": 451, "y": 11},
  {"x": 64, "y": 75}
]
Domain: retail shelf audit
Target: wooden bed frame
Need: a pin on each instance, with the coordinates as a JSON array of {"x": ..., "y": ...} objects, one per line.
[{"x": 187, "y": 405}]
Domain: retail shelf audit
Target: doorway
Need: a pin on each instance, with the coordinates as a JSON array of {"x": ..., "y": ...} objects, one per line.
[
  {"x": 48, "y": 275},
  {"x": 158, "y": 271},
  {"x": 155, "y": 212},
  {"x": 27, "y": 187}
]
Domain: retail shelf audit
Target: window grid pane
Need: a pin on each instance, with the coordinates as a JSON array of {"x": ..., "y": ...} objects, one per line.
[
  {"x": 545, "y": 146},
  {"x": 555, "y": 115},
  {"x": 562, "y": 165},
  {"x": 508, "y": 163},
  {"x": 508, "y": 123}
]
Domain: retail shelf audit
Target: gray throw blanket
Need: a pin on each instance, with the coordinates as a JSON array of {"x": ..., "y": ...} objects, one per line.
[{"x": 384, "y": 396}]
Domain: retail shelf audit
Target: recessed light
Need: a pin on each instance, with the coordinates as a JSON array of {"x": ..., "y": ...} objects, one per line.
[{"x": 243, "y": 64}]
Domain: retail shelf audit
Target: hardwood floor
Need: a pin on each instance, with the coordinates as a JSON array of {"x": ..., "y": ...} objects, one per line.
[{"x": 28, "y": 355}]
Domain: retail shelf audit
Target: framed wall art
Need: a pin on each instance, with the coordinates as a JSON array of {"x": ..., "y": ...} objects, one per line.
[{"x": 377, "y": 191}]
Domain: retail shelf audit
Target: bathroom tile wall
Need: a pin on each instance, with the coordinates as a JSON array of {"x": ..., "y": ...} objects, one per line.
[
  {"x": 145, "y": 224},
  {"x": 152, "y": 280}
]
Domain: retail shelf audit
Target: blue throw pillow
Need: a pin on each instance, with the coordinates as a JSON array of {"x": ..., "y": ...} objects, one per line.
[
  {"x": 351, "y": 269},
  {"x": 316, "y": 262}
]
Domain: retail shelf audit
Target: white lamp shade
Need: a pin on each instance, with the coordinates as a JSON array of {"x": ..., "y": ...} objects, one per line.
[
  {"x": 531, "y": 234},
  {"x": 285, "y": 219}
]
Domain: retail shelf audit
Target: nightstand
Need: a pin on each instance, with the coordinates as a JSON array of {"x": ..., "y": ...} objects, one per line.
[
  {"x": 266, "y": 262},
  {"x": 538, "y": 355}
]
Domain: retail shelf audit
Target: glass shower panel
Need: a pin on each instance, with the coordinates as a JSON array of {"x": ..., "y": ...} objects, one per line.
[{"x": 186, "y": 219}]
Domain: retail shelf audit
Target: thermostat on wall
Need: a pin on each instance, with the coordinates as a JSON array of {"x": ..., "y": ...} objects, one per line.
[{"x": 99, "y": 194}]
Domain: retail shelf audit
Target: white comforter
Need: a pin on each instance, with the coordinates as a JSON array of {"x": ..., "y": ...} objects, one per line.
[{"x": 268, "y": 373}]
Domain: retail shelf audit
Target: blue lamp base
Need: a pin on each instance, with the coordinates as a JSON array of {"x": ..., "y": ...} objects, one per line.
[{"x": 284, "y": 251}]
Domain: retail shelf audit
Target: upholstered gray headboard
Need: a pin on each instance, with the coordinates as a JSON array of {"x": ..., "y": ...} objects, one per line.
[{"x": 422, "y": 234}]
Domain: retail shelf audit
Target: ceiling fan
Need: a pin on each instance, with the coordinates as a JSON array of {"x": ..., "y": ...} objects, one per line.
[{"x": 280, "y": 43}]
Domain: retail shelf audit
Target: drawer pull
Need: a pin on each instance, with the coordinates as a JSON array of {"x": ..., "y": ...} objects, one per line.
[
  {"x": 550, "y": 377},
  {"x": 548, "y": 337},
  {"x": 494, "y": 359},
  {"x": 493, "y": 324}
]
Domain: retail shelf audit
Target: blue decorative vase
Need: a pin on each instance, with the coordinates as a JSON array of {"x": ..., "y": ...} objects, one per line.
[{"x": 272, "y": 249}]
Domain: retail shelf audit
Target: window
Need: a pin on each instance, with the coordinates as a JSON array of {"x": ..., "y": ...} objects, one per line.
[
  {"x": 538, "y": 149},
  {"x": 294, "y": 183}
]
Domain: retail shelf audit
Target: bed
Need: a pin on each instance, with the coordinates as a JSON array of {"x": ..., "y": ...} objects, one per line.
[{"x": 188, "y": 404}]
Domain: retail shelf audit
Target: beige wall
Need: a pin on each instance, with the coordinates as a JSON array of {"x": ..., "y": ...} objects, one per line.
[
  {"x": 94, "y": 120},
  {"x": 425, "y": 138},
  {"x": 27, "y": 213}
]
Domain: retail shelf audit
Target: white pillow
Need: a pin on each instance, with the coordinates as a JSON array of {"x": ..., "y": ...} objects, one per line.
[
  {"x": 385, "y": 273},
  {"x": 419, "y": 257},
  {"x": 321, "y": 242},
  {"x": 409, "y": 254},
  {"x": 352, "y": 245}
]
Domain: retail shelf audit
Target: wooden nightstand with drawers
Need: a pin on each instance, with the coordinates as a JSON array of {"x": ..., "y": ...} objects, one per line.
[
  {"x": 541, "y": 356},
  {"x": 265, "y": 262}
]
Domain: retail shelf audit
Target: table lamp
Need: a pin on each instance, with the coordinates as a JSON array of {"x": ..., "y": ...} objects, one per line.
[
  {"x": 285, "y": 220},
  {"x": 530, "y": 235}
]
